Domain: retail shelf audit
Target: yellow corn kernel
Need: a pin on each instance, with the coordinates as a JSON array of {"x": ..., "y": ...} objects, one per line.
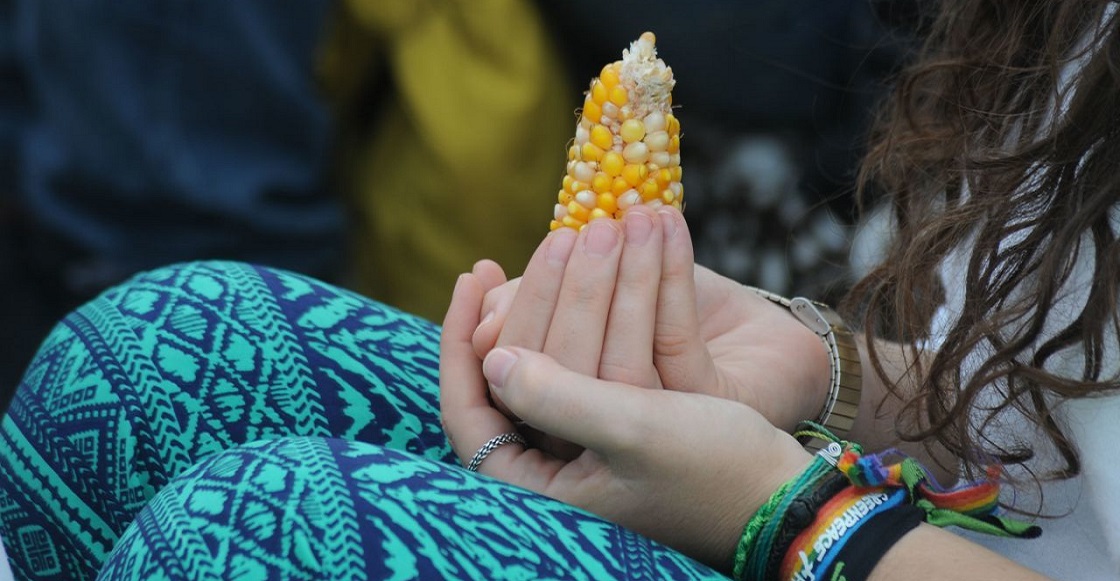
[
  {"x": 601, "y": 183},
  {"x": 619, "y": 186},
  {"x": 577, "y": 211},
  {"x": 635, "y": 173},
  {"x": 627, "y": 143},
  {"x": 599, "y": 93},
  {"x": 619, "y": 95},
  {"x": 609, "y": 76},
  {"x": 601, "y": 136},
  {"x": 592, "y": 111},
  {"x": 590, "y": 152},
  {"x": 607, "y": 202},
  {"x": 612, "y": 163}
]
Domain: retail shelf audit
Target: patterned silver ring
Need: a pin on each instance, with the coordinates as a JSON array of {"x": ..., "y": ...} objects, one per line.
[{"x": 494, "y": 443}]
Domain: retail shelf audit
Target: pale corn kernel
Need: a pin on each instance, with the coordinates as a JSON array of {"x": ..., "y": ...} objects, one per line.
[
  {"x": 612, "y": 163},
  {"x": 655, "y": 121},
  {"x": 668, "y": 196},
  {"x": 657, "y": 141},
  {"x": 590, "y": 152},
  {"x": 559, "y": 211},
  {"x": 598, "y": 213},
  {"x": 583, "y": 172},
  {"x": 660, "y": 158},
  {"x": 599, "y": 93},
  {"x": 675, "y": 160},
  {"x": 582, "y": 135},
  {"x": 655, "y": 203},
  {"x": 586, "y": 198},
  {"x": 610, "y": 111},
  {"x": 636, "y": 152},
  {"x": 629, "y": 199},
  {"x": 601, "y": 137},
  {"x": 678, "y": 189},
  {"x": 607, "y": 202},
  {"x": 632, "y": 130},
  {"x": 601, "y": 183}
]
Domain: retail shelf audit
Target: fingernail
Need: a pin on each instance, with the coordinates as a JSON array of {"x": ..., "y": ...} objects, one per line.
[
  {"x": 560, "y": 244},
  {"x": 668, "y": 223},
  {"x": 638, "y": 228},
  {"x": 497, "y": 366},
  {"x": 459, "y": 283},
  {"x": 602, "y": 237}
]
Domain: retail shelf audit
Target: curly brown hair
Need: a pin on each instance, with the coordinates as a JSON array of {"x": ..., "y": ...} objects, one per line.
[{"x": 986, "y": 146}]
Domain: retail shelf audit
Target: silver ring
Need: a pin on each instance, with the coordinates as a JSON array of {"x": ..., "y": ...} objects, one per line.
[{"x": 494, "y": 443}]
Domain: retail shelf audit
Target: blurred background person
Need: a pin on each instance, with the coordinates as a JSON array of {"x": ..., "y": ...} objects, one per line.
[{"x": 388, "y": 144}]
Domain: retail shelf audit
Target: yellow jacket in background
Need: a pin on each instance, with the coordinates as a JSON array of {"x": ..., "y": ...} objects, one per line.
[{"x": 463, "y": 157}]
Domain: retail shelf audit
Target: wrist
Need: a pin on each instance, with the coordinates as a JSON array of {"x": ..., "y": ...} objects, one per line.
[{"x": 838, "y": 407}]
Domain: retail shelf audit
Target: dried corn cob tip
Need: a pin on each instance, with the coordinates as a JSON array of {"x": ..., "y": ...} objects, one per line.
[{"x": 627, "y": 145}]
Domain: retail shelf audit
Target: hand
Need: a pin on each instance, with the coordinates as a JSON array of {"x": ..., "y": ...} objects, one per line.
[
  {"x": 679, "y": 325},
  {"x": 684, "y": 469}
]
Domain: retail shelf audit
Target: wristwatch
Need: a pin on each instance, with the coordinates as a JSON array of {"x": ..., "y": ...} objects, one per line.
[{"x": 845, "y": 384}]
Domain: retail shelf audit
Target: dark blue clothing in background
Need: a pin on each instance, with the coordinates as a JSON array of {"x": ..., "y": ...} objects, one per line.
[
  {"x": 170, "y": 130},
  {"x": 137, "y": 133}
]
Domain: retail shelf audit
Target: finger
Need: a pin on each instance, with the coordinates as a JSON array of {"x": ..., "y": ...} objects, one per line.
[
  {"x": 680, "y": 355},
  {"x": 465, "y": 410},
  {"x": 598, "y": 415},
  {"x": 535, "y": 300},
  {"x": 495, "y": 308},
  {"x": 627, "y": 354},
  {"x": 575, "y": 336},
  {"x": 489, "y": 274}
]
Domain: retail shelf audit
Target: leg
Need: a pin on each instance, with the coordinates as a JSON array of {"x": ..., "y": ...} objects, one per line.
[
  {"x": 183, "y": 362},
  {"x": 313, "y": 508}
]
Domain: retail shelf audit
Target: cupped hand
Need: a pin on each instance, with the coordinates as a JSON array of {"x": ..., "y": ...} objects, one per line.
[
  {"x": 658, "y": 321},
  {"x": 685, "y": 469}
]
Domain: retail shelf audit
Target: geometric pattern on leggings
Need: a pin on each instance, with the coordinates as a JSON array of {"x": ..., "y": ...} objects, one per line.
[
  {"x": 183, "y": 362},
  {"x": 317, "y": 508}
]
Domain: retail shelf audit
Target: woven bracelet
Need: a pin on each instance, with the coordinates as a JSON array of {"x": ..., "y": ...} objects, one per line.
[{"x": 883, "y": 499}]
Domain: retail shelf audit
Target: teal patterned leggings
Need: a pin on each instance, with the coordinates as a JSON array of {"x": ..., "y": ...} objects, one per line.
[{"x": 217, "y": 420}]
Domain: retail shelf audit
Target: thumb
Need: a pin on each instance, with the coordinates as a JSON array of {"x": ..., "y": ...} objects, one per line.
[{"x": 562, "y": 403}]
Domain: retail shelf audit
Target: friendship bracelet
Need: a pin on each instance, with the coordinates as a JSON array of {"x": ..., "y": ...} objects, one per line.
[{"x": 846, "y": 509}]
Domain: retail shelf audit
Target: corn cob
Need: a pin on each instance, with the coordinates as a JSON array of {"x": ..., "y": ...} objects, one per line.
[{"x": 627, "y": 145}]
